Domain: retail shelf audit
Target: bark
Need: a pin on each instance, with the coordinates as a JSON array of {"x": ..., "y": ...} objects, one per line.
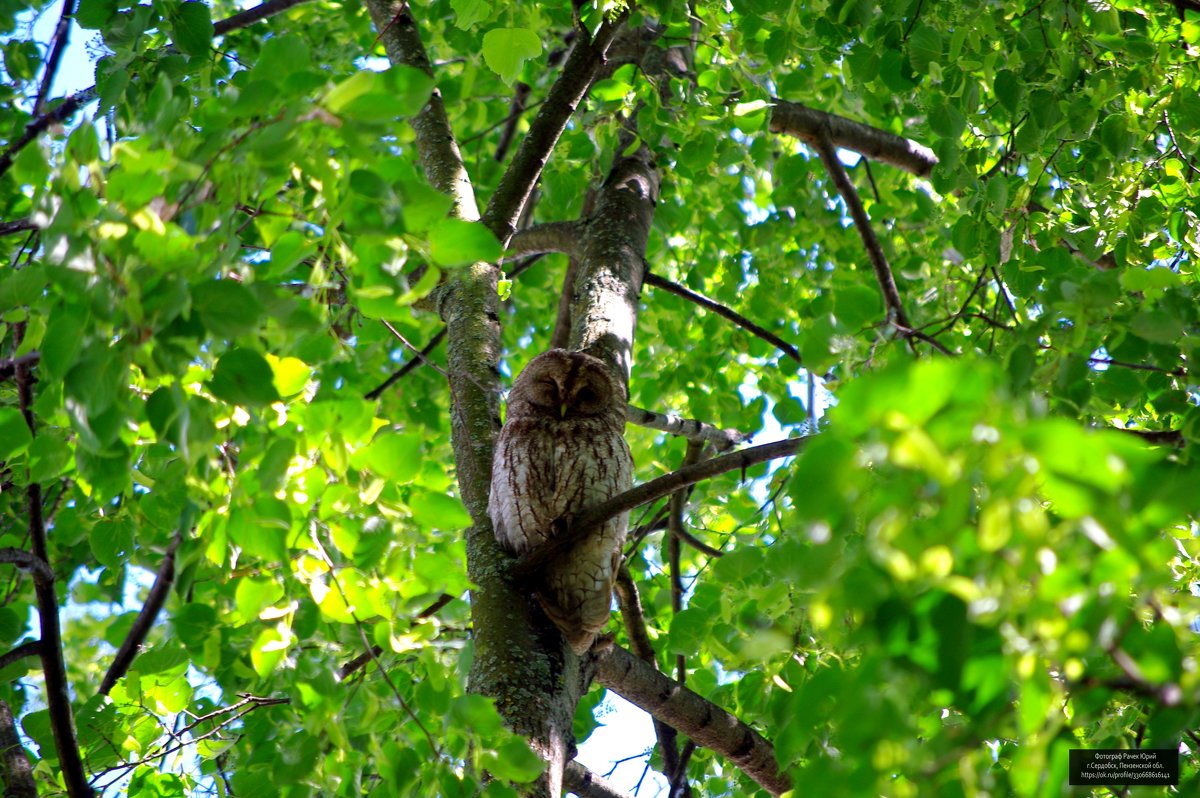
[
  {"x": 691, "y": 714},
  {"x": 609, "y": 283}
]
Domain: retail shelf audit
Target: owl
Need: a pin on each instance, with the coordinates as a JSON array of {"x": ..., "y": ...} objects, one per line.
[{"x": 562, "y": 449}]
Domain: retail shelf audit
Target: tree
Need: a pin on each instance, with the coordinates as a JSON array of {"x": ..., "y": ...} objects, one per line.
[{"x": 267, "y": 279}]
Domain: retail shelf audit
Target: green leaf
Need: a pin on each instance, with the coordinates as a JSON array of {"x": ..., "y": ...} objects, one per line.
[
  {"x": 380, "y": 96},
  {"x": 48, "y": 455},
  {"x": 453, "y": 242},
  {"x": 191, "y": 27},
  {"x": 513, "y": 761},
  {"x": 394, "y": 456},
  {"x": 193, "y": 623},
  {"x": 1008, "y": 90},
  {"x": 281, "y": 56},
  {"x": 111, "y": 542},
  {"x": 227, "y": 308},
  {"x": 924, "y": 48},
  {"x": 507, "y": 49},
  {"x": 15, "y": 436},
  {"x": 438, "y": 511},
  {"x": 92, "y": 14},
  {"x": 469, "y": 13},
  {"x": 243, "y": 377}
]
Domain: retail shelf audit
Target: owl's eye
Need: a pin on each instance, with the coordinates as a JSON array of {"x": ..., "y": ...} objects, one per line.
[{"x": 586, "y": 394}]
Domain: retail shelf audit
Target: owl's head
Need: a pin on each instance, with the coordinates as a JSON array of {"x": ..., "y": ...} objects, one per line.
[{"x": 563, "y": 385}]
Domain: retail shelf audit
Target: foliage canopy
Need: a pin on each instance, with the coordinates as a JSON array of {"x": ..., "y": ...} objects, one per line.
[{"x": 985, "y": 558}]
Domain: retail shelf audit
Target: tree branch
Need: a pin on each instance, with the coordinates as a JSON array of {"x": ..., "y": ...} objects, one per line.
[
  {"x": 30, "y": 648},
  {"x": 630, "y": 604},
  {"x": 437, "y": 147},
  {"x": 39, "y": 125},
  {"x": 29, "y": 562},
  {"x": 591, "y": 517},
  {"x": 146, "y": 618},
  {"x": 883, "y": 271},
  {"x": 656, "y": 281},
  {"x": 564, "y": 97},
  {"x": 721, "y": 439},
  {"x": 372, "y": 653},
  {"x": 244, "y": 19},
  {"x": 809, "y": 125},
  {"x": 674, "y": 551},
  {"x": 691, "y": 714},
  {"x": 586, "y": 784},
  {"x": 62, "y": 34},
  {"x": 412, "y": 363},
  {"x": 15, "y": 773},
  {"x": 16, "y": 226},
  {"x": 546, "y": 237},
  {"x": 54, "y": 671}
]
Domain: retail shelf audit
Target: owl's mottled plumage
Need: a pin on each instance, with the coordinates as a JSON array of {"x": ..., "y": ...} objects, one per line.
[{"x": 563, "y": 449}]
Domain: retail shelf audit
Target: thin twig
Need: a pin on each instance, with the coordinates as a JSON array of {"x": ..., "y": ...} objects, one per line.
[
  {"x": 371, "y": 649},
  {"x": 368, "y": 656},
  {"x": 656, "y": 281},
  {"x": 674, "y": 551},
  {"x": 411, "y": 364},
  {"x": 419, "y": 353},
  {"x": 630, "y": 604},
  {"x": 586, "y": 784}
]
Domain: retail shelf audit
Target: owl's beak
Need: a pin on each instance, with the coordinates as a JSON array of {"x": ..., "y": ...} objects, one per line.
[{"x": 562, "y": 410}]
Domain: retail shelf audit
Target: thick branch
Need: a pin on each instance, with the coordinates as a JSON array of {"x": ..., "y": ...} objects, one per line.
[
  {"x": 436, "y": 146},
  {"x": 725, "y": 312},
  {"x": 612, "y": 254},
  {"x": 564, "y": 97},
  {"x": 547, "y": 237},
  {"x": 592, "y": 517},
  {"x": 883, "y": 271},
  {"x": 809, "y": 124},
  {"x": 15, "y": 773},
  {"x": 693, "y": 430},
  {"x": 587, "y": 784},
  {"x": 691, "y": 714},
  {"x": 146, "y": 618}
]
